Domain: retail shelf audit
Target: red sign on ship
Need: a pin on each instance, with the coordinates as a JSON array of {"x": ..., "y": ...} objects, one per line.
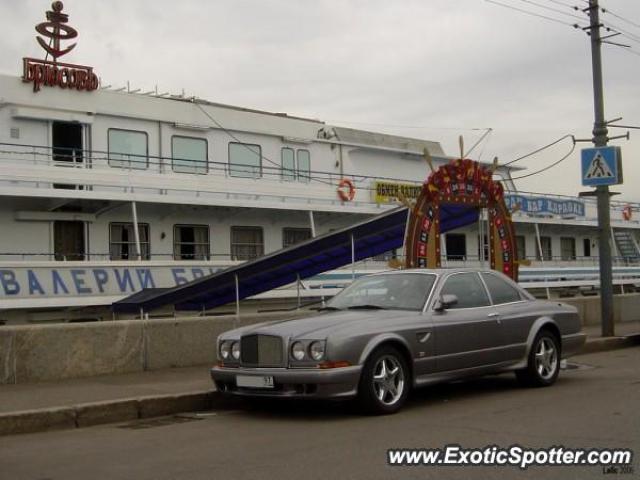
[{"x": 52, "y": 73}]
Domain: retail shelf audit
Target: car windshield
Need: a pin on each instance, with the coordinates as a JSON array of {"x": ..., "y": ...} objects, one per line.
[{"x": 397, "y": 291}]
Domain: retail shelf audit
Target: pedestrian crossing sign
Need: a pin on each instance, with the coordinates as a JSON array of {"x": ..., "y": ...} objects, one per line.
[{"x": 601, "y": 166}]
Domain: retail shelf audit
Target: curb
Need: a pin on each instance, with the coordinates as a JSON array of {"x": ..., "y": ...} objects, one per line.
[
  {"x": 127, "y": 409},
  {"x": 603, "y": 344},
  {"x": 121, "y": 410}
]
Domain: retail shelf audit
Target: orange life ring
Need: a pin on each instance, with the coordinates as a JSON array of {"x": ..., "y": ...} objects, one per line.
[
  {"x": 346, "y": 190},
  {"x": 627, "y": 213}
]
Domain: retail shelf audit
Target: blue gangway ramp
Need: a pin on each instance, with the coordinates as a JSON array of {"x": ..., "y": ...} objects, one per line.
[{"x": 366, "y": 239}]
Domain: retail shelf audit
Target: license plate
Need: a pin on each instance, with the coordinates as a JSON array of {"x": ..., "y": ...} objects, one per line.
[{"x": 254, "y": 381}]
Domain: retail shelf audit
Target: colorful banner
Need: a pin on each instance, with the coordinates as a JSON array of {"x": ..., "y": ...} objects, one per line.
[{"x": 563, "y": 208}]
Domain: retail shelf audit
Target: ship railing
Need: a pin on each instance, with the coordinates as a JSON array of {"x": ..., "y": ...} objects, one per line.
[
  {"x": 168, "y": 258},
  {"x": 390, "y": 260},
  {"x": 558, "y": 275},
  {"x": 188, "y": 176},
  {"x": 193, "y": 171}
]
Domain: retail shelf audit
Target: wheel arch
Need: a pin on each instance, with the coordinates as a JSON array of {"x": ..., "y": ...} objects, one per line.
[
  {"x": 392, "y": 340},
  {"x": 543, "y": 323}
]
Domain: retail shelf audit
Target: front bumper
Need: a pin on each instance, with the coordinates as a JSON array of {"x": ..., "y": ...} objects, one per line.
[{"x": 292, "y": 382}]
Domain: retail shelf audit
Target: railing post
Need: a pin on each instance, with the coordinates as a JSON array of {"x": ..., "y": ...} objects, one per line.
[
  {"x": 312, "y": 223},
  {"x": 136, "y": 232},
  {"x": 353, "y": 259},
  {"x": 542, "y": 259},
  {"x": 237, "y": 300}
]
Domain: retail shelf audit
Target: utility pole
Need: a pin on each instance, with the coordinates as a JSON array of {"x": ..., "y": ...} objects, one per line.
[{"x": 600, "y": 138}]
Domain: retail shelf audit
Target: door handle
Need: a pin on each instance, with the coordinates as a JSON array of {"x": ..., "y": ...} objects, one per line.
[{"x": 493, "y": 315}]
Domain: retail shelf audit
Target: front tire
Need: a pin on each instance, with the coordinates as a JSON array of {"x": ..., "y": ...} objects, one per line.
[
  {"x": 385, "y": 382},
  {"x": 543, "y": 364}
]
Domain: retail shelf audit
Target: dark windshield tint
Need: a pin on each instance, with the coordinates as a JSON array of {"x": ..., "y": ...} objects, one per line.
[
  {"x": 500, "y": 290},
  {"x": 468, "y": 288},
  {"x": 397, "y": 291}
]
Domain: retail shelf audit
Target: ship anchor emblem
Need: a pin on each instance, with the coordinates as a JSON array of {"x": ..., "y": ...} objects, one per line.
[{"x": 57, "y": 30}]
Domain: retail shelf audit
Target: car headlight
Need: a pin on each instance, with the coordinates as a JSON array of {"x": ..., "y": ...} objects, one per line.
[
  {"x": 235, "y": 350},
  {"x": 225, "y": 349},
  {"x": 297, "y": 351},
  {"x": 316, "y": 350}
]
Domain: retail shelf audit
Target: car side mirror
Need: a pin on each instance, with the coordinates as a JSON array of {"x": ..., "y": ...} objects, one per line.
[{"x": 445, "y": 301}]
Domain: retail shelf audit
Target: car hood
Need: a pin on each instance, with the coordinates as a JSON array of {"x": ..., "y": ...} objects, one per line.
[{"x": 321, "y": 325}]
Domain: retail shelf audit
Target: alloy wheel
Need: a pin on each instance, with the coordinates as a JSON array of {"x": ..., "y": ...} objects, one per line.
[{"x": 388, "y": 380}]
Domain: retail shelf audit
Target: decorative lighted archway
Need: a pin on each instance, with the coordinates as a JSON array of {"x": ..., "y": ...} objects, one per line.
[{"x": 451, "y": 197}]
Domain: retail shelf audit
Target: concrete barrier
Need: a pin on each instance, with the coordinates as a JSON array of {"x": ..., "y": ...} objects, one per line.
[
  {"x": 36, "y": 353},
  {"x": 626, "y": 308}
]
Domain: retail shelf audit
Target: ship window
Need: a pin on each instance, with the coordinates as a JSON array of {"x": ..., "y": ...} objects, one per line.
[
  {"x": 128, "y": 149},
  {"x": 546, "y": 249},
  {"x": 304, "y": 165},
  {"x": 485, "y": 243},
  {"x": 69, "y": 240},
  {"x": 456, "y": 244},
  {"x": 122, "y": 241},
  {"x": 500, "y": 290},
  {"x": 568, "y": 248},
  {"x": 191, "y": 242},
  {"x": 521, "y": 249},
  {"x": 245, "y": 160},
  {"x": 288, "y": 165},
  {"x": 246, "y": 243},
  {"x": 189, "y": 155},
  {"x": 291, "y": 236}
]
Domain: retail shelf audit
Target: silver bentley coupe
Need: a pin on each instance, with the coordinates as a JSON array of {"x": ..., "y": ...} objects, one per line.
[{"x": 390, "y": 332}]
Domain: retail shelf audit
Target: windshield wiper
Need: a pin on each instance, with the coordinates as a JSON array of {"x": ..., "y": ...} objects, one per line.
[
  {"x": 366, "y": 307},
  {"x": 321, "y": 309}
]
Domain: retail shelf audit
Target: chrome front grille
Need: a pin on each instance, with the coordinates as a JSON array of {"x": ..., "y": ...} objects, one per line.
[{"x": 261, "y": 351}]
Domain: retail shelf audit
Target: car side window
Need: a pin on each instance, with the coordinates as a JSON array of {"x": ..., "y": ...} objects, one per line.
[
  {"x": 468, "y": 288},
  {"x": 500, "y": 290}
]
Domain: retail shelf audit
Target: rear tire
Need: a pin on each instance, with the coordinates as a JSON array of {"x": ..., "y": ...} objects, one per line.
[
  {"x": 543, "y": 363},
  {"x": 385, "y": 382}
]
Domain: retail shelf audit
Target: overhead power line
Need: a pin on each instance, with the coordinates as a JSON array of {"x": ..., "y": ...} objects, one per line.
[
  {"x": 533, "y": 14},
  {"x": 561, "y": 12},
  {"x": 538, "y": 150},
  {"x": 619, "y": 17},
  {"x": 558, "y": 2},
  {"x": 548, "y": 167}
]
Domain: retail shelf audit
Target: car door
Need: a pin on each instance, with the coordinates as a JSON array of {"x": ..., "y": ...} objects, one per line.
[
  {"x": 468, "y": 334},
  {"x": 514, "y": 314}
]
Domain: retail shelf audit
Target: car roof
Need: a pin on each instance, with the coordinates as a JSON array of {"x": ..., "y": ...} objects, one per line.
[{"x": 439, "y": 271}]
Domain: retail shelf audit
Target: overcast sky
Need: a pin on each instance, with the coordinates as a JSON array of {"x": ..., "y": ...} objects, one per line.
[{"x": 431, "y": 69}]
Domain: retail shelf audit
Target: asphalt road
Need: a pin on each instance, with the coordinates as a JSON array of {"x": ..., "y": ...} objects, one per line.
[{"x": 595, "y": 406}]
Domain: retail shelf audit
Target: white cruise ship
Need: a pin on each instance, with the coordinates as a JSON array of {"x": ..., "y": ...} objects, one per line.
[{"x": 107, "y": 192}]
